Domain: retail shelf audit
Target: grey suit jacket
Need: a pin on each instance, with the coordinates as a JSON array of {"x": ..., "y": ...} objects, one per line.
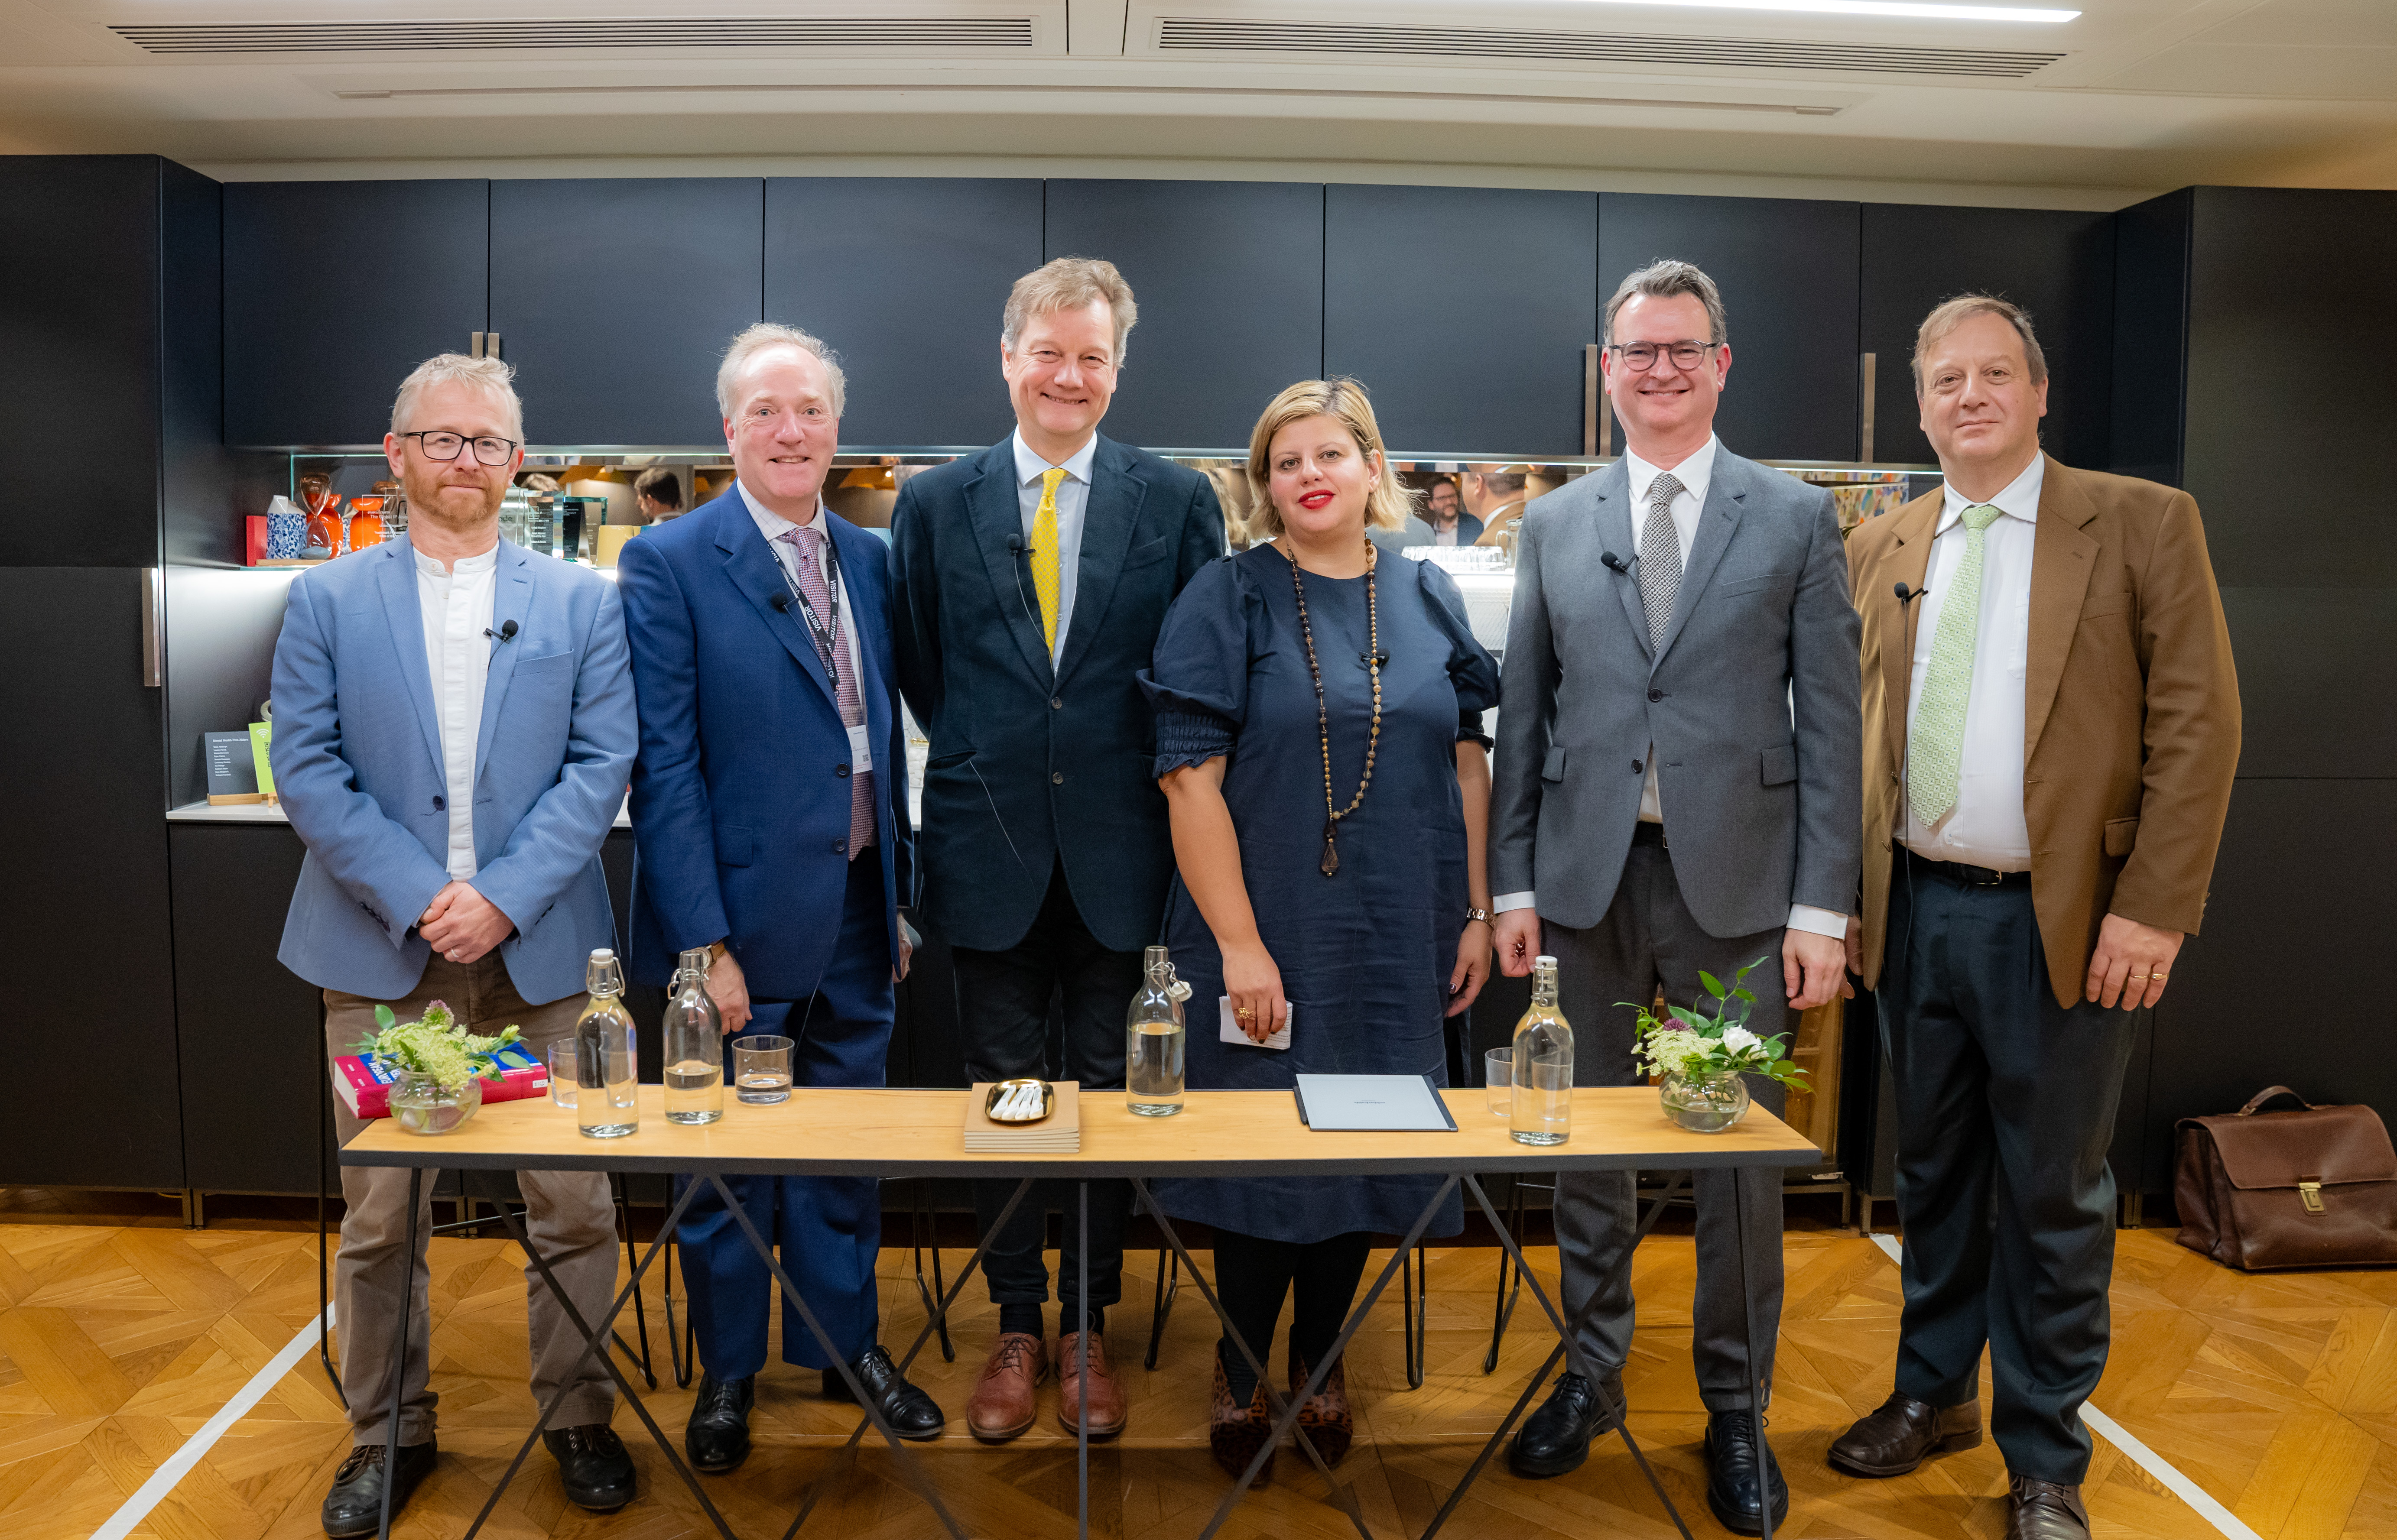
[{"x": 1751, "y": 704}]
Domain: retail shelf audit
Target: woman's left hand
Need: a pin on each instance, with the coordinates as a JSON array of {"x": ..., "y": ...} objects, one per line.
[{"x": 1472, "y": 967}]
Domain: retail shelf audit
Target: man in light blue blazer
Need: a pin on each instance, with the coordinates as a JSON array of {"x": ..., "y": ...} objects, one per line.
[
  {"x": 769, "y": 828},
  {"x": 454, "y": 731}
]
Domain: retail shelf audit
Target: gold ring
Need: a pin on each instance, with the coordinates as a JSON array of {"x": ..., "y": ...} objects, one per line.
[
  {"x": 2160, "y": 977},
  {"x": 2137, "y": 978},
  {"x": 1245, "y": 1013}
]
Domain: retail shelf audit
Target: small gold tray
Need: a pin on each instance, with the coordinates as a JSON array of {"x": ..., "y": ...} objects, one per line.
[{"x": 999, "y": 1092}]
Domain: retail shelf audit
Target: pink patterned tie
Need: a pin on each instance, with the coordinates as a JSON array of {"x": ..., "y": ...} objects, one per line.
[{"x": 808, "y": 542}]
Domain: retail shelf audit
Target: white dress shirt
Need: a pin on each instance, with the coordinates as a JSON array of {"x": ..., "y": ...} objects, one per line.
[
  {"x": 456, "y": 605},
  {"x": 1072, "y": 499},
  {"x": 772, "y": 525},
  {"x": 1695, "y": 474},
  {"x": 1986, "y": 827}
]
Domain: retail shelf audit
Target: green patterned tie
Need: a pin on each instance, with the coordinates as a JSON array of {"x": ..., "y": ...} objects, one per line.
[{"x": 1935, "y": 749}]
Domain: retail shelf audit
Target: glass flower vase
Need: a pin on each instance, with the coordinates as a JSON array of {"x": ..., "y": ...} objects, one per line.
[
  {"x": 1705, "y": 1102},
  {"x": 421, "y": 1105}
]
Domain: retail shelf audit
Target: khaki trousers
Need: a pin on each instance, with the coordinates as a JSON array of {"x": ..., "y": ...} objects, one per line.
[{"x": 571, "y": 1222}]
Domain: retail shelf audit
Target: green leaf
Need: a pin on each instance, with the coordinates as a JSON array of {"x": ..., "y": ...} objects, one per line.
[
  {"x": 1714, "y": 984},
  {"x": 383, "y": 1016},
  {"x": 1747, "y": 994}
]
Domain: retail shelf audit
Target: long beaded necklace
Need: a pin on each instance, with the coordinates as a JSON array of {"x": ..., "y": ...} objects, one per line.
[{"x": 1331, "y": 863}]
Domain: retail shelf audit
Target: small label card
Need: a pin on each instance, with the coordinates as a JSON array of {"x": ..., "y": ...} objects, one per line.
[
  {"x": 1232, "y": 1033},
  {"x": 232, "y": 773}
]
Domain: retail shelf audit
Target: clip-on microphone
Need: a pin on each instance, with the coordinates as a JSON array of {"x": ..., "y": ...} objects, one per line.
[
  {"x": 506, "y": 633},
  {"x": 1615, "y": 563},
  {"x": 1908, "y": 596}
]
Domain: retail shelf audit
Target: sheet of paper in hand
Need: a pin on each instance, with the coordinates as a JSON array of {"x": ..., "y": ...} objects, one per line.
[{"x": 1232, "y": 1034}]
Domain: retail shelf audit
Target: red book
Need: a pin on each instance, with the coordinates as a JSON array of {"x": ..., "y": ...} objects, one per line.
[{"x": 364, "y": 1085}]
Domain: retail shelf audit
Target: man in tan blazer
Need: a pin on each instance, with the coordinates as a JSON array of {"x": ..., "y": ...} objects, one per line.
[{"x": 2051, "y": 728}]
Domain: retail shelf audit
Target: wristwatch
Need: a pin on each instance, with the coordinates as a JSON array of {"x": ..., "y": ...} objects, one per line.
[
  {"x": 1472, "y": 915},
  {"x": 717, "y": 952}
]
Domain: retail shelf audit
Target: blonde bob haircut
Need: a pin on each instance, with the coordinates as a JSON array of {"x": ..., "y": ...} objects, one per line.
[
  {"x": 1386, "y": 506},
  {"x": 491, "y": 376}
]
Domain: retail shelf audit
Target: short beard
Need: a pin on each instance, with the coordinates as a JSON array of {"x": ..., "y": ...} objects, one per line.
[{"x": 423, "y": 504}]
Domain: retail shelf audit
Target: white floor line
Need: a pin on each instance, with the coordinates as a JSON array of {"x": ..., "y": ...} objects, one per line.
[
  {"x": 179, "y": 1465},
  {"x": 2146, "y": 1459}
]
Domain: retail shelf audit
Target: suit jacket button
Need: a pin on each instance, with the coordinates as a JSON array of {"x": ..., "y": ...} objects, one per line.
[
  {"x": 1055, "y": 704},
  {"x": 1057, "y": 778},
  {"x": 1635, "y": 767},
  {"x": 841, "y": 771},
  {"x": 839, "y": 847},
  {"x": 439, "y": 804},
  {"x": 1656, "y": 695}
]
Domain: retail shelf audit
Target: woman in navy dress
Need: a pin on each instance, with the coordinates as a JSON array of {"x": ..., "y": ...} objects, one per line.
[{"x": 1319, "y": 746}]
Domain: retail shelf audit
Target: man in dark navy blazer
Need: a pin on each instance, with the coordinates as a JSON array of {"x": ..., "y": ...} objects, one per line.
[
  {"x": 1031, "y": 581},
  {"x": 769, "y": 827}
]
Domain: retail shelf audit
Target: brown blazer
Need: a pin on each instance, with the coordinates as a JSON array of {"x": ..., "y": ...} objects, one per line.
[{"x": 2130, "y": 702}]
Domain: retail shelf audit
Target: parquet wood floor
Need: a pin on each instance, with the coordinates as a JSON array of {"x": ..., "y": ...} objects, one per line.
[{"x": 2277, "y": 1395}]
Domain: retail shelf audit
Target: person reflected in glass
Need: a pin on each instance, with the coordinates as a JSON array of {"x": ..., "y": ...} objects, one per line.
[
  {"x": 1450, "y": 524},
  {"x": 1318, "y": 742}
]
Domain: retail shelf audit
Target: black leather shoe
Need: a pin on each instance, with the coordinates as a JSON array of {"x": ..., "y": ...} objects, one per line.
[
  {"x": 2043, "y": 1510},
  {"x": 592, "y": 1465},
  {"x": 354, "y": 1505},
  {"x": 1555, "y": 1438},
  {"x": 1732, "y": 1446},
  {"x": 716, "y": 1437},
  {"x": 910, "y": 1413},
  {"x": 1903, "y": 1434}
]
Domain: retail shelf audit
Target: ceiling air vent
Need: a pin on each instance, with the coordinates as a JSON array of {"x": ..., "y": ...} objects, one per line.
[
  {"x": 1261, "y": 36},
  {"x": 747, "y": 32}
]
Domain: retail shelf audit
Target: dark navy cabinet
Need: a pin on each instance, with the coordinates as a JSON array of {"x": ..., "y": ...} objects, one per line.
[
  {"x": 1788, "y": 269},
  {"x": 906, "y": 277},
  {"x": 1464, "y": 311},
  {"x": 615, "y": 298},
  {"x": 333, "y": 290},
  {"x": 1229, "y": 277}
]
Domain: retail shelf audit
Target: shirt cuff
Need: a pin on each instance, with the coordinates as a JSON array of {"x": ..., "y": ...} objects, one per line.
[
  {"x": 1505, "y": 902},
  {"x": 1821, "y": 922}
]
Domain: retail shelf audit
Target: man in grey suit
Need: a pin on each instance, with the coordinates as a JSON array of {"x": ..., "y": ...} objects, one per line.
[{"x": 1679, "y": 752}]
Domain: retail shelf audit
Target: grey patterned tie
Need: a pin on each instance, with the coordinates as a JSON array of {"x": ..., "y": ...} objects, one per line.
[{"x": 1660, "y": 557}]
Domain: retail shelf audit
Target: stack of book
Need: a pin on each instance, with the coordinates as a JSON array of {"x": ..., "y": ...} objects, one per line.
[
  {"x": 364, "y": 1085},
  {"x": 1059, "y": 1133}
]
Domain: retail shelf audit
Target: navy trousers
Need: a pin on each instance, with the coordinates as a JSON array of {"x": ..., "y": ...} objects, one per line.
[
  {"x": 826, "y": 1229},
  {"x": 2006, "y": 1111}
]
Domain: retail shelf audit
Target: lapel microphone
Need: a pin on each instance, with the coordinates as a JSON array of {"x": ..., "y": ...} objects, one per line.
[
  {"x": 506, "y": 633},
  {"x": 1616, "y": 564},
  {"x": 781, "y": 601},
  {"x": 1908, "y": 596}
]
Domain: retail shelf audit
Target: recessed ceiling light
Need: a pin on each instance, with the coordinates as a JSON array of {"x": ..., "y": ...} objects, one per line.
[{"x": 1903, "y": 9}]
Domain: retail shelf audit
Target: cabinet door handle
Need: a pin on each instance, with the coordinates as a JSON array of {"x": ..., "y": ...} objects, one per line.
[
  {"x": 1869, "y": 369},
  {"x": 490, "y": 345},
  {"x": 473, "y": 344},
  {"x": 153, "y": 619}
]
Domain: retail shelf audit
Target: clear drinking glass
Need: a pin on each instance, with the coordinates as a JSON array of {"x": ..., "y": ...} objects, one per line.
[
  {"x": 607, "y": 1073},
  {"x": 694, "y": 1045},
  {"x": 1498, "y": 1081},
  {"x": 1155, "y": 1038},
  {"x": 1542, "y": 1104},
  {"x": 561, "y": 1074},
  {"x": 761, "y": 1069}
]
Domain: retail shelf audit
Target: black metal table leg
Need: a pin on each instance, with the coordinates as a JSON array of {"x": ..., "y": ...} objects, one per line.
[
  {"x": 1473, "y": 1472},
  {"x": 1755, "y": 1380},
  {"x": 593, "y": 1337},
  {"x": 399, "y": 1353},
  {"x": 1573, "y": 1355},
  {"x": 799, "y": 1301}
]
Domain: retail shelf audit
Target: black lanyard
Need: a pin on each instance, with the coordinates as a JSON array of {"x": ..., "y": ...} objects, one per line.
[{"x": 825, "y": 634}]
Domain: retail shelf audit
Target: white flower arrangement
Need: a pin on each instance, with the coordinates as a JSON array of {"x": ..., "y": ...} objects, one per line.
[{"x": 1684, "y": 1043}]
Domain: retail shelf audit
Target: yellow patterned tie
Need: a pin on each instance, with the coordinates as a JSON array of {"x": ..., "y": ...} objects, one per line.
[{"x": 1048, "y": 574}]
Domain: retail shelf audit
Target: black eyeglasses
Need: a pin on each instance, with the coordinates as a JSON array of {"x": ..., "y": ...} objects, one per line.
[
  {"x": 1639, "y": 358},
  {"x": 446, "y": 445}
]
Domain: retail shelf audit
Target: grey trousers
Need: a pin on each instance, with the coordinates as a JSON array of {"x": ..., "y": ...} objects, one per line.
[
  {"x": 1646, "y": 939},
  {"x": 571, "y": 1222}
]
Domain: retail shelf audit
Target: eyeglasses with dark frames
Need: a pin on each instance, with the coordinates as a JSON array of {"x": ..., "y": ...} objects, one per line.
[
  {"x": 1639, "y": 358},
  {"x": 445, "y": 447}
]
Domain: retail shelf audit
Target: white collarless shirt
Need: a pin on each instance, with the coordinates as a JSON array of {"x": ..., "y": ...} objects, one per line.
[
  {"x": 772, "y": 526},
  {"x": 1696, "y": 475},
  {"x": 1073, "y": 502},
  {"x": 456, "y": 606},
  {"x": 1986, "y": 827}
]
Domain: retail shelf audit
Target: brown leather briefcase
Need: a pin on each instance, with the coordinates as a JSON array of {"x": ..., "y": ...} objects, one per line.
[{"x": 2315, "y": 1187}]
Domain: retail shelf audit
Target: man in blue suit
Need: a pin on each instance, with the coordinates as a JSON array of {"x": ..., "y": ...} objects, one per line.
[
  {"x": 769, "y": 827},
  {"x": 1032, "y": 581},
  {"x": 453, "y": 731}
]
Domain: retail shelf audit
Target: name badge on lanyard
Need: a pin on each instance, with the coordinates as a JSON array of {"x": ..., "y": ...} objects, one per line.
[
  {"x": 860, "y": 750},
  {"x": 826, "y": 634}
]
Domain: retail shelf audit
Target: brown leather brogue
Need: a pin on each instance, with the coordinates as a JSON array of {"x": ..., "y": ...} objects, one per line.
[
  {"x": 1235, "y": 1433},
  {"x": 1006, "y": 1395},
  {"x": 2044, "y": 1510},
  {"x": 1324, "y": 1419},
  {"x": 1107, "y": 1396},
  {"x": 1903, "y": 1434}
]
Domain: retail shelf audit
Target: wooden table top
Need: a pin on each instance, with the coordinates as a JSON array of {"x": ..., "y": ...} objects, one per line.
[{"x": 895, "y": 1133}]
